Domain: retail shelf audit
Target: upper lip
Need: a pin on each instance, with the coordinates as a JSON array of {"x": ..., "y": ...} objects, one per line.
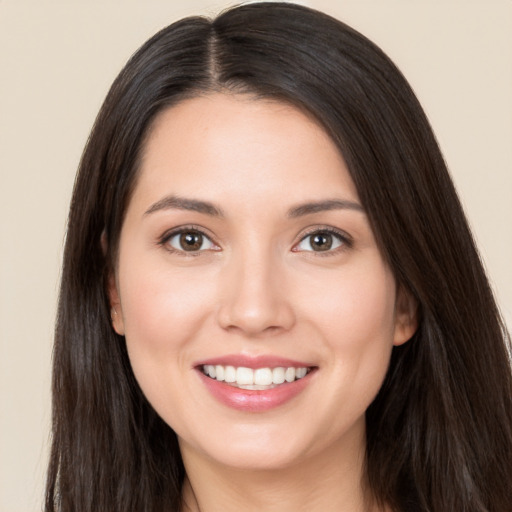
[{"x": 259, "y": 361}]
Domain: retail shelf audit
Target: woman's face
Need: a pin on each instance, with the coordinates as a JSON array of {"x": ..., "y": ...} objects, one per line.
[{"x": 245, "y": 254}]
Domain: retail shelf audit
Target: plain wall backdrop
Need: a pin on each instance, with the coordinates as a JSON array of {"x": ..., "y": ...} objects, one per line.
[{"x": 57, "y": 60}]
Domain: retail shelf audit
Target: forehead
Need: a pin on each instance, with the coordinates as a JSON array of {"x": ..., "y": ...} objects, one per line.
[{"x": 235, "y": 146}]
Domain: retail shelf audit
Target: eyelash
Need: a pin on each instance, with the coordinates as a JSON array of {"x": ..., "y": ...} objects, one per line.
[
  {"x": 169, "y": 235},
  {"x": 346, "y": 242}
]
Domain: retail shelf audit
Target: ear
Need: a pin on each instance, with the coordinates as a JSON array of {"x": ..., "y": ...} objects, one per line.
[
  {"x": 406, "y": 316},
  {"x": 116, "y": 312}
]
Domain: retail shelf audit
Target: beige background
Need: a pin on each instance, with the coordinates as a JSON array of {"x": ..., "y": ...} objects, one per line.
[{"x": 57, "y": 60}]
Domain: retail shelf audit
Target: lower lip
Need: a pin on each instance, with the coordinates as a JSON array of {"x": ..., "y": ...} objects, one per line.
[{"x": 249, "y": 400}]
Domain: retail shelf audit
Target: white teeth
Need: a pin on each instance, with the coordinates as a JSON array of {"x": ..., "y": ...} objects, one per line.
[
  {"x": 260, "y": 378},
  {"x": 244, "y": 376},
  {"x": 210, "y": 370},
  {"x": 301, "y": 372},
  {"x": 263, "y": 377},
  {"x": 219, "y": 372},
  {"x": 278, "y": 375},
  {"x": 289, "y": 374},
  {"x": 230, "y": 374}
]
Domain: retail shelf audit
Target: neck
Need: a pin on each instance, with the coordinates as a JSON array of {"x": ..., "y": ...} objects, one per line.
[{"x": 331, "y": 480}]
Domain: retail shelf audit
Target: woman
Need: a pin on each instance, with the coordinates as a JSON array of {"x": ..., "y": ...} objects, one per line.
[{"x": 270, "y": 296}]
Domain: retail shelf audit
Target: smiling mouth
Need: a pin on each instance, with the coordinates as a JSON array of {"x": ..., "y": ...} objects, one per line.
[{"x": 258, "y": 379}]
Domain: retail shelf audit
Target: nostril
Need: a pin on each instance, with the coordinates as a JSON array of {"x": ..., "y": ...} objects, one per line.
[{"x": 255, "y": 317}]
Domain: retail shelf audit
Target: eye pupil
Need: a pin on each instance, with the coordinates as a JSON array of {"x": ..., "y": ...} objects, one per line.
[
  {"x": 321, "y": 242},
  {"x": 191, "y": 241}
]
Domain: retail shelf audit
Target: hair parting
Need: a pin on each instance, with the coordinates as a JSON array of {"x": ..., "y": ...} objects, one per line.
[{"x": 439, "y": 433}]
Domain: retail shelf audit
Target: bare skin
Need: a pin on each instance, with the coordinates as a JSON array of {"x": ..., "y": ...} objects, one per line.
[
  {"x": 319, "y": 483},
  {"x": 245, "y": 238}
]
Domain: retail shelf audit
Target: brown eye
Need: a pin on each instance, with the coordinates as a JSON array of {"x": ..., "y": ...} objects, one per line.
[
  {"x": 320, "y": 241},
  {"x": 190, "y": 241}
]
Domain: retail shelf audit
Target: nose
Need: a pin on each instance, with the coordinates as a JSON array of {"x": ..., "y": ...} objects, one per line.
[{"x": 254, "y": 299}]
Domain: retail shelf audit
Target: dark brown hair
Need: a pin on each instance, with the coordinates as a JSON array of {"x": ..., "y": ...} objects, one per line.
[{"x": 439, "y": 433}]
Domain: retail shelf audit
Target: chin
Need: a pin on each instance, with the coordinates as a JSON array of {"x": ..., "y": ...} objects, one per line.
[{"x": 259, "y": 447}]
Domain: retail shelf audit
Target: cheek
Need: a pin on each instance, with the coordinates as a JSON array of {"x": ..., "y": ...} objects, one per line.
[
  {"x": 357, "y": 307},
  {"x": 161, "y": 299},
  {"x": 356, "y": 319},
  {"x": 162, "y": 310}
]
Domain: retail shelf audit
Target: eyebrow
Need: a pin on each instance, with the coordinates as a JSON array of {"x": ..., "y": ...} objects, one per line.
[
  {"x": 322, "y": 206},
  {"x": 182, "y": 203},
  {"x": 195, "y": 205}
]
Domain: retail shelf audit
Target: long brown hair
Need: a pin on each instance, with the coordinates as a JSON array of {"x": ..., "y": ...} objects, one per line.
[{"x": 439, "y": 433}]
